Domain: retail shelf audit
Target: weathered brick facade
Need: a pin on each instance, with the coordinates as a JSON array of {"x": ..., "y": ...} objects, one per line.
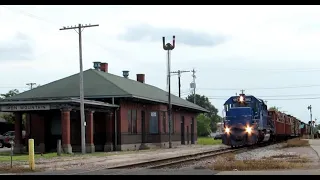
[{"x": 100, "y": 134}]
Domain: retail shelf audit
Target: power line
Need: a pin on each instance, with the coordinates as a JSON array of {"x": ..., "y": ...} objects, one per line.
[
  {"x": 268, "y": 70},
  {"x": 104, "y": 47},
  {"x": 282, "y": 99},
  {"x": 261, "y": 88},
  {"x": 291, "y": 95}
]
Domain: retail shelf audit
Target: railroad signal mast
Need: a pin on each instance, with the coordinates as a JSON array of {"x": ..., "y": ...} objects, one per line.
[
  {"x": 311, "y": 123},
  {"x": 169, "y": 47}
]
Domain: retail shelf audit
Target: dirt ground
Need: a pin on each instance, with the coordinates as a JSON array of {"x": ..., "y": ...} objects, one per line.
[
  {"x": 294, "y": 154},
  {"x": 103, "y": 160}
]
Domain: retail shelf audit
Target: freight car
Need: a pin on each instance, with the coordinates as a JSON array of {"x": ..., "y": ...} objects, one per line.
[{"x": 248, "y": 121}]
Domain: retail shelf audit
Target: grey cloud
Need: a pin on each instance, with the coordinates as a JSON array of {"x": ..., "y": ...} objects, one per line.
[
  {"x": 17, "y": 48},
  {"x": 187, "y": 37}
]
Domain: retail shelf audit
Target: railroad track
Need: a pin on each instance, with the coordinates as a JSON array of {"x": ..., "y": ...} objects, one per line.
[
  {"x": 160, "y": 163},
  {"x": 184, "y": 159}
]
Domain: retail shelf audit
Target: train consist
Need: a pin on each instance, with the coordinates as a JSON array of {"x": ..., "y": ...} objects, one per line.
[{"x": 248, "y": 121}]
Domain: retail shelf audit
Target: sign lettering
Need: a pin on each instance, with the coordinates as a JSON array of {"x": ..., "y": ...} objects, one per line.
[{"x": 25, "y": 108}]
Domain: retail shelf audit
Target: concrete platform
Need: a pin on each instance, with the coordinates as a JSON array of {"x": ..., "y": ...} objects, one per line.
[{"x": 315, "y": 145}]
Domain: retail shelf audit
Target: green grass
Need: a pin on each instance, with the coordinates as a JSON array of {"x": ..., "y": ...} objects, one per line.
[
  {"x": 208, "y": 141},
  {"x": 5, "y": 156}
]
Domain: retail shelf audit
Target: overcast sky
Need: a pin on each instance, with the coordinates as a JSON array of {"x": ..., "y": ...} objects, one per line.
[{"x": 262, "y": 49}]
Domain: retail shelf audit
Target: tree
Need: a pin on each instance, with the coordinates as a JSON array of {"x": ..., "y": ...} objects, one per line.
[
  {"x": 9, "y": 94},
  {"x": 203, "y": 125},
  {"x": 274, "y": 108},
  {"x": 204, "y": 102},
  {"x": 9, "y": 117}
]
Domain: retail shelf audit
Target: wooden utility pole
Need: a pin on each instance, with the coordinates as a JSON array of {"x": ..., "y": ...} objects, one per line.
[
  {"x": 179, "y": 76},
  {"x": 80, "y": 28},
  {"x": 193, "y": 85}
]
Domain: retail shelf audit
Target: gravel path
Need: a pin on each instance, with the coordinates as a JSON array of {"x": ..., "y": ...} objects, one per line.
[
  {"x": 101, "y": 162},
  {"x": 264, "y": 152},
  {"x": 255, "y": 154}
]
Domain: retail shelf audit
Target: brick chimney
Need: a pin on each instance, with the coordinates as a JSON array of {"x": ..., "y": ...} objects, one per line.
[
  {"x": 104, "y": 67},
  {"x": 141, "y": 78}
]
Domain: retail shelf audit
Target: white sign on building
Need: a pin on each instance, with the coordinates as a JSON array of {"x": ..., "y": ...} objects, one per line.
[{"x": 38, "y": 107}]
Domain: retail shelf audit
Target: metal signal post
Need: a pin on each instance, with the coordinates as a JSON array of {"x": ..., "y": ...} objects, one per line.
[
  {"x": 311, "y": 124},
  {"x": 80, "y": 28},
  {"x": 169, "y": 47}
]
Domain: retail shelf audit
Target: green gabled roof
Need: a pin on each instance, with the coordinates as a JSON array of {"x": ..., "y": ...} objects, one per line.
[{"x": 101, "y": 84}]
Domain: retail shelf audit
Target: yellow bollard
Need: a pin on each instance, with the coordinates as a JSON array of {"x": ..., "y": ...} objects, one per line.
[{"x": 31, "y": 154}]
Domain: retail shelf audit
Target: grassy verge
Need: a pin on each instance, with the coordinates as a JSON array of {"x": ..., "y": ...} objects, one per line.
[
  {"x": 297, "y": 142},
  {"x": 228, "y": 163},
  {"x": 208, "y": 141},
  {"x": 5, "y": 156}
]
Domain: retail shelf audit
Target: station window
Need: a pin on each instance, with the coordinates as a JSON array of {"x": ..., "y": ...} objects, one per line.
[
  {"x": 132, "y": 121},
  {"x": 153, "y": 123}
]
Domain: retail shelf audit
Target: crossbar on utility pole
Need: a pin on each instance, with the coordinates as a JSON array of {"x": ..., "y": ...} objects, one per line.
[
  {"x": 80, "y": 28},
  {"x": 169, "y": 47},
  {"x": 31, "y": 85},
  {"x": 179, "y": 72}
]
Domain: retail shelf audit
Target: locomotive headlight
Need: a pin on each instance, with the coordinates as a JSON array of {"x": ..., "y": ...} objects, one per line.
[
  {"x": 241, "y": 98},
  {"x": 248, "y": 129},
  {"x": 227, "y": 130}
]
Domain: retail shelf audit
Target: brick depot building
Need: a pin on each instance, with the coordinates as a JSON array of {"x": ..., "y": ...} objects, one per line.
[{"x": 120, "y": 114}]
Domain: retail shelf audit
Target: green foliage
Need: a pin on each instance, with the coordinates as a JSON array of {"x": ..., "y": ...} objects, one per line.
[
  {"x": 203, "y": 125},
  {"x": 273, "y": 108},
  {"x": 9, "y": 94},
  {"x": 213, "y": 116},
  {"x": 9, "y": 117}
]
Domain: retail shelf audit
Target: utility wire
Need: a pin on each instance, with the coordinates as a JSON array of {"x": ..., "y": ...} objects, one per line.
[
  {"x": 56, "y": 25},
  {"x": 281, "y": 99},
  {"x": 260, "y": 88}
]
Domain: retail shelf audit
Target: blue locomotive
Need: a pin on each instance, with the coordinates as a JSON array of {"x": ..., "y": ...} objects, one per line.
[{"x": 246, "y": 122}]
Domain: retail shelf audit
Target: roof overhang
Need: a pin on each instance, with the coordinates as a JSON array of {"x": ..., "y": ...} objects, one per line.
[
  {"x": 199, "y": 109},
  {"x": 6, "y": 106}
]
